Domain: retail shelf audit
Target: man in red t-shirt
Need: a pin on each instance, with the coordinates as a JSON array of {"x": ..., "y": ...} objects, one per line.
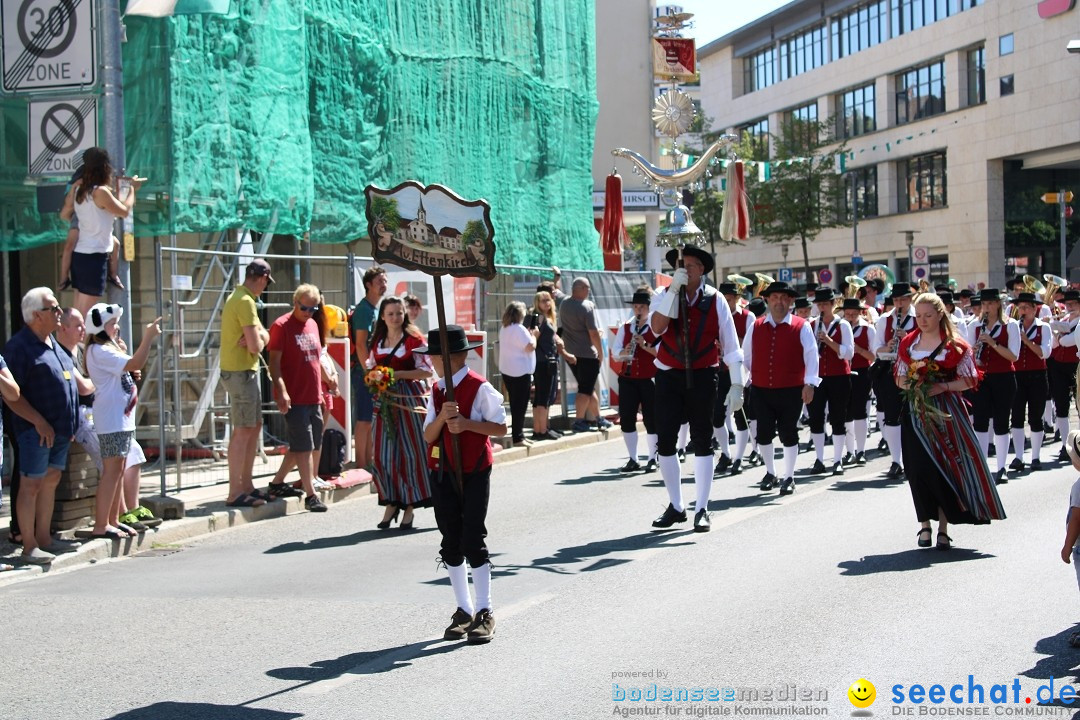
[{"x": 294, "y": 348}]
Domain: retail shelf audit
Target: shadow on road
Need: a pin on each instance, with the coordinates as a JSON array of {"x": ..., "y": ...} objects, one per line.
[
  {"x": 343, "y": 540},
  {"x": 1061, "y": 663},
  {"x": 908, "y": 560},
  {"x": 202, "y": 711},
  {"x": 370, "y": 662},
  {"x": 859, "y": 485}
]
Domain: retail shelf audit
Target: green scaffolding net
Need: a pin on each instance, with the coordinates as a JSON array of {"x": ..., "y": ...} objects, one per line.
[{"x": 276, "y": 116}]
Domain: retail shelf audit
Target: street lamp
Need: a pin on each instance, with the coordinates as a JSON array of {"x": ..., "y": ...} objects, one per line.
[
  {"x": 783, "y": 252},
  {"x": 909, "y": 238}
]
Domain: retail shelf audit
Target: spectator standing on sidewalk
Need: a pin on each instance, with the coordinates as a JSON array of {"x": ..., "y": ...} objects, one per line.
[
  {"x": 546, "y": 375},
  {"x": 243, "y": 337},
  {"x": 517, "y": 363},
  {"x": 9, "y": 391},
  {"x": 46, "y": 418},
  {"x": 361, "y": 324},
  {"x": 296, "y": 373},
  {"x": 581, "y": 336}
]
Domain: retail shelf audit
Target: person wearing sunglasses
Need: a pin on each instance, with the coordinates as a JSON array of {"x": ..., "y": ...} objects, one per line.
[{"x": 296, "y": 374}]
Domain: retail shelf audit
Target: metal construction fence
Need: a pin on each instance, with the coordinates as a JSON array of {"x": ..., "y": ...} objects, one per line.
[{"x": 183, "y": 414}]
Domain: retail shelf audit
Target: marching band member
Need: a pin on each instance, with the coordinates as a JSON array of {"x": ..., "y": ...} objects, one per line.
[
  {"x": 862, "y": 335},
  {"x": 890, "y": 330},
  {"x": 802, "y": 308},
  {"x": 687, "y": 361},
  {"x": 997, "y": 345},
  {"x": 1061, "y": 367},
  {"x": 742, "y": 319},
  {"x": 875, "y": 287},
  {"x": 781, "y": 354},
  {"x": 835, "y": 350},
  {"x": 965, "y": 296},
  {"x": 1031, "y": 386},
  {"x": 635, "y": 347}
]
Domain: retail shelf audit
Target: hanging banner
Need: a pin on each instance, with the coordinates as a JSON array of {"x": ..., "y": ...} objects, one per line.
[{"x": 674, "y": 57}]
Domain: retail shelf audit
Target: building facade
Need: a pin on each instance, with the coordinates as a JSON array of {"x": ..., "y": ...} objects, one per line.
[{"x": 958, "y": 115}]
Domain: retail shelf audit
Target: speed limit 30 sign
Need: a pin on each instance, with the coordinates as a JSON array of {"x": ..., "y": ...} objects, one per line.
[{"x": 47, "y": 44}]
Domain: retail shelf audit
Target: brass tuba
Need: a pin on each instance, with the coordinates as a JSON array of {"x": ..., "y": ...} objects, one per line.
[
  {"x": 854, "y": 282},
  {"x": 1053, "y": 284},
  {"x": 763, "y": 281},
  {"x": 741, "y": 282}
]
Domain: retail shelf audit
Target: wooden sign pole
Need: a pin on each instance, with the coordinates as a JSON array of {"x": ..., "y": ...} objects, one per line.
[{"x": 448, "y": 377}]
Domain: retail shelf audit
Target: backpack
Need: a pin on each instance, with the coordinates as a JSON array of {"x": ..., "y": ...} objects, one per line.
[{"x": 332, "y": 460}]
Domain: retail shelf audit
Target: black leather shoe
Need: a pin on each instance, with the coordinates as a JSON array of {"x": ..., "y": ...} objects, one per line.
[
  {"x": 1017, "y": 465},
  {"x": 838, "y": 469},
  {"x": 924, "y": 542},
  {"x": 722, "y": 464},
  {"x": 787, "y": 486},
  {"x": 883, "y": 446},
  {"x": 1036, "y": 465},
  {"x": 818, "y": 469},
  {"x": 736, "y": 467},
  {"x": 651, "y": 465},
  {"x": 754, "y": 459},
  {"x": 860, "y": 458},
  {"x": 895, "y": 471},
  {"x": 681, "y": 454},
  {"x": 630, "y": 466},
  {"x": 768, "y": 482},
  {"x": 1000, "y": 478},
  {"x": 848, "y": 459},
  {"x": 1063, "y": 456},
  {"x": 701, "y": 521},
  {"x": 669, "y": 518}
]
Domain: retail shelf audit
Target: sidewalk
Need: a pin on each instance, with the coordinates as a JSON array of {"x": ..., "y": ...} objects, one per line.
[{"x": 205, "y": 512}]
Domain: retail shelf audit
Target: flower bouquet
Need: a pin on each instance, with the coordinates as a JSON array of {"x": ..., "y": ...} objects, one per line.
[
  {"x": 921, "y": 377},
  {"x": 379, "y": 380}
]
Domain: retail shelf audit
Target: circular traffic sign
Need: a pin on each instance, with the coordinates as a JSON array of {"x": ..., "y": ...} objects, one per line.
[
  {"x": 922, "y": 272},
  {"x": 825, "y": 276},
  {"x": 919, "y": 254},
  {"x": 58, "y": 22},
  {"x": 56, "y": 135}
]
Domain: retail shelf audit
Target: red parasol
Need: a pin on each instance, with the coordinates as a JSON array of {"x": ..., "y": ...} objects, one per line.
[{"x": 613, "y": 234}]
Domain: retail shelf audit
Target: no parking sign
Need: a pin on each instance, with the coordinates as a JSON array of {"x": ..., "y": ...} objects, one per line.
[{"x": 824, "y": 276}]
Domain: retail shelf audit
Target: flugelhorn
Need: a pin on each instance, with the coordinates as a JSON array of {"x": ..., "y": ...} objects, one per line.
[
  {"x": 763, "y": 281},
  {"x": 1053, "y": 284},
  {"x": 741, "y": 281},
  {"x": 854, "y": 282}
]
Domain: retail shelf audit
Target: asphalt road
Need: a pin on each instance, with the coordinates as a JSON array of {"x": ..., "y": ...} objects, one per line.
[{"x": 323, "y": 616}]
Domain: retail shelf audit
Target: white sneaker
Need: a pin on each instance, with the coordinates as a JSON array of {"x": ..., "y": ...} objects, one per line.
[{"x": 37, "y": 556}]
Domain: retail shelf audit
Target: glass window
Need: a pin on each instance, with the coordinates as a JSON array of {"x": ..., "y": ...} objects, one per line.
[
  {"x": 909, "y": 15},
  {"x": 859, "y": 29},
  {"x": 864, "y": 181},
  {"x": 759, "y": 131},
  {"x": 759, "y": 70},
  {"x": 1005, "y": 44},
  {"x": 855, "y": 112},
  {"x": 976, "y": 76},
  {"x": 802, "y": 53},
  {"x": 923, "y": 182},
  {"x": 920, "y": 92},
  {"x": 803, "y": 121},
  {"x": 1006, "y": 85}
]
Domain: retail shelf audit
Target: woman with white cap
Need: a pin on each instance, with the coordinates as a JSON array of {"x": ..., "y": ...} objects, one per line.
[{"x": 116, "y": 396}]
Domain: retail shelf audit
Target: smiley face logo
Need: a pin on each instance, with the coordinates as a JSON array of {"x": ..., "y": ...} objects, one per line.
[{"x": 862, "y": 693}]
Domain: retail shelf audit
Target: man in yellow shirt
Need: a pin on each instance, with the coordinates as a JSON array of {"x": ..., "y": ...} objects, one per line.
[{"x": 242, "y": 339}]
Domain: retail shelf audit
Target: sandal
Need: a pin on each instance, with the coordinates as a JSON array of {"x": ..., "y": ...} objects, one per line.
[
  {"x": 110, "y": 534},
  {"x": 924, "y": 542},
  {"x": 65, "y": 285},
  {"x": 943, "y": 545},
  {"x": 246, "y": 501}
]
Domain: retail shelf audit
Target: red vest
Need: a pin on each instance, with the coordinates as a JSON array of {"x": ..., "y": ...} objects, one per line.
[
  {"x": 1064, "y": 354},
  {"x": 890, "y": 325},
  {"x": 704, "y": 331},
  {"x": 993, "y": 362},
  {"x": 1029, "y": 360},
  {"x": 862, "y": 340},
  {"x": 641, "y": 367},
  {"x": 742, "y": 319},
  {"x": 777, "y": 360},
  {"x": 829, "y": 362},
  {"x": 475, "y": 448}
]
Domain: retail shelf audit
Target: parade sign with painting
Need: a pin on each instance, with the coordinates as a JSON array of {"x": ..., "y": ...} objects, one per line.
[{"x": 432, "y": 229}]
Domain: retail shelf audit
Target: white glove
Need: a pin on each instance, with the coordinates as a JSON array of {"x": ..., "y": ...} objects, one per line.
[
  {"x": 668, "y": 304},
  {"x": 735, "y": 398},
  {"x": 679, "y": 279}
]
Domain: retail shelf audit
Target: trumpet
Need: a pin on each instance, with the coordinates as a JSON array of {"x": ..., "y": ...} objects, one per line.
[
  {"x": 741, "y": 281},
  {"x": 854, "y": 282},
  {"x": 763, "y": 281}
]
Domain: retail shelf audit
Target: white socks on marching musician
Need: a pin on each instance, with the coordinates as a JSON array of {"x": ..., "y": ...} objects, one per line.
[
  {"x": 684, "y": 435},
  {"x": 703, "y": 470},
  {"x": 630, "y": 439},
  {"x": 1018, "y": 443},
  {"x": 1048, "y": 414},
  {"x": 861, "y": 430},
  {"x": 481, "y": 580},
  {"x": 880, "y": 421},
  {"x": 459, "y": 580},
  {"x": 983, "y": 439},
  {"x": 849, "y": 439},
  {"x": 672, "y": 474},
  {"x": 1036, "y": 445},
  {"x": 892, "y": 438},
  {"x": 819, "y": 445},
  {"x": 1063, "y": 428},
  {"x": 839, "y": 442},
  {"x": 1001, "y": 447},
  {"x": 768, "y": 457},
  {"x": 650, "y": 442},
  {"x": 741, "y": 436},
  {"x": 791, "y": 454},
  {"x": 721, "y": 437}
]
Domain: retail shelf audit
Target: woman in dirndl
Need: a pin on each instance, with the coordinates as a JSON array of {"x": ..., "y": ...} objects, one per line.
[
  {"x": 946, "y": 470},
  {"x": 397, "y": 429}
]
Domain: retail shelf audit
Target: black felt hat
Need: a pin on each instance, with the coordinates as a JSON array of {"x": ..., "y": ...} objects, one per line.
[
  {"x": 852, "y": 304},
  {"x": 456, "y": 340},
  {"x": 824, "y": 294},
  {"x": 779, "y": 286},
  {"x": 727, "y": 288},
  {"x": 1028, "y": 298},
  {"x": 801, "y": 302},
  {"x": 989, "y": 295},
  {"x": 641, "y": 297},
  {"x": 693, "y": 251}
]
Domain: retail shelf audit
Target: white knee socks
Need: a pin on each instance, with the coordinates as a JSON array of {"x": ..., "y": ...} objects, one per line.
[
  {"x": 481, "y": 580},
  {"x": 630, "y": 439},
  {"x": 819, "y": 445},
  {"x": 791, "y": 454},
  {"x": 459, "y": 580},
  {"x": 1018, "y": 443},
  {"x": 721, "y": 436},
  {"x": 769, "y": 458},
  {"x": 892, "y": 438},
  {"x": 703, "y": 471},
  {"x": 1036, "y": 445},
  {"x": 838, "y": 444},
  {"x": 670, "y": 471},
  {"x": 650, "y": 443},
  {"x": 861, "y": 430},
  {"x": 1063, "y": 428},
  {"x": 1001, "y": 448},
  {"x": 684, "y": 436},
  {"x": 984, "y": 442},
  {"x": 741, "y": 436}
]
